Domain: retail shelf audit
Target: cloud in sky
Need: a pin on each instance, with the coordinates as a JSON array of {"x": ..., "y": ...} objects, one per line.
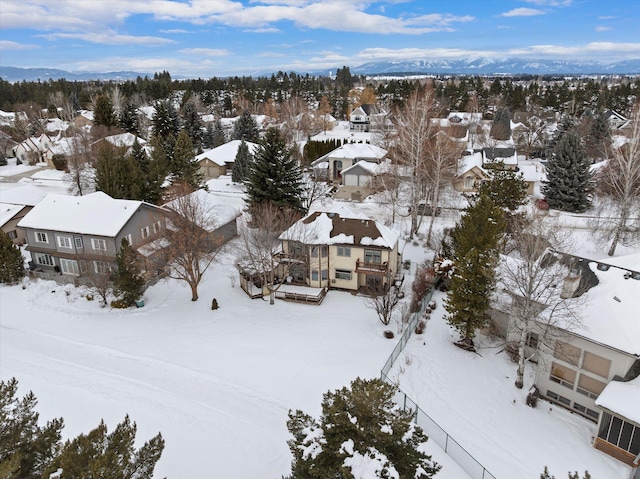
[
  {"x": 522, "y": 12},
  {"x": 252, "y": 36}
]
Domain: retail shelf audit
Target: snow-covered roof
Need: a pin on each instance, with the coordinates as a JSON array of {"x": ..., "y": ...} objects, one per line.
[
  {"x": 532, "y": 171},
  {"x": 94, "y": 214},
  {"x": 64, "y": 146},
  {"x": 469, "y": 162},
  {"x": 325, "y": 228},
  {"x": 8, "y": 211},
  {"x": 124, "y": 139},
  {"x": 224, "y": 154},
  {"x": 367, "y": 166},
  {"x": 23, "y": 195},
  {"x": 56, "y": 124},
  {"x": 88, "y": 114},
  {"x": 355, "y": 150},
  {"x": 217, "y": 209},
  {"x": 610, "y": 313},
  {"x": 148, "y": 111},
  {"x": 622, "y": 398}
]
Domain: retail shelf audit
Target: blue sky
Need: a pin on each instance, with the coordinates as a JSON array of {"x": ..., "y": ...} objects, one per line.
[{"x": 204, "y": 38}]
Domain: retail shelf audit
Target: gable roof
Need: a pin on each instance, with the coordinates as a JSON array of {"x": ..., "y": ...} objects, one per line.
[
  {"x": 94, "y": 214},
  {"x": 8, "y": 211},
  {"x": 352, "y": 151},
  {"x": 364, "y": 167},
  {"x": 469, "y": 162},
  {"x": 224, "y": 154},
  {"x": 326, "y": 228},
  {"x": 217, "y": 209}
]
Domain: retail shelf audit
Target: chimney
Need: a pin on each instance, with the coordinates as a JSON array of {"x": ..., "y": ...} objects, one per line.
[{"x": 571, "y": 283}]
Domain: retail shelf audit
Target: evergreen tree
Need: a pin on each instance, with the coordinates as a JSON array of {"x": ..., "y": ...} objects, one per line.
[
  {"x": 117, "y": 174},
  {"x": 11, "y": 260},
  {"x": 219, "y": 136},
  {"x": 501, "y": 126},
  {"x": 26, "y": 449},
  {"x": 274, "y": 177},
  {"x": 183, "y": 169},
  {"x": 599, "y": 138},
  {"x": 128, "y": 119},
  {"x": 192, "y": 124},
  {"x": 165, "y": 126},
  {"x": 113, "y": 455},
  {"x": 506, "y": 188},
  {"x": 152, "y": 174},
  {"x": 242, "y": 164},
  {"x": 569, "y": 181},
  {"x": 103, "y": 113},
  {"x": 128, "y": 282},
  {"x": 207, "y": 137},
  {"x": 246, "y": 128},
  {"x": 475, "y": 254},
  {"x": 360, "y": 421},
  {"x": 566, "y": 123}
]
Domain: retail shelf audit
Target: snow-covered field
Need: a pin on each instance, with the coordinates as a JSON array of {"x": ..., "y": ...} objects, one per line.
[{"x": 218, "y": 384}]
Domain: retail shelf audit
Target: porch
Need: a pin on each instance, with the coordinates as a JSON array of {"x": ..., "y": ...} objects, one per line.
[{"x": 301, "y": 294}]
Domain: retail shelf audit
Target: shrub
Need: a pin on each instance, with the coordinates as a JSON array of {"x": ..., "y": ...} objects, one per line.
[
  {"x": 214, "y": 304},
  {"x": 119, "y": 304}
]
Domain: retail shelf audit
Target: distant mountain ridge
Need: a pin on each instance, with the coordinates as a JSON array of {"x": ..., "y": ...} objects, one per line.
[
  {"x": 505, "y": 66},
  {"x": 15, "y": 74},
  {"x": 475, "y": 66}
]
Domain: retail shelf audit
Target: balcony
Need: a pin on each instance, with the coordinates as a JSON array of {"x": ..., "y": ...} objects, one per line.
[{"x": 371, "y": 268}]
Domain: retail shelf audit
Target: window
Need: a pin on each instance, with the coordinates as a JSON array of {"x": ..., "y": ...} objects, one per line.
[
  {"x": 101, "y": 267},
  {"x": 567, "y": 353},
  {"x": 563, "y": 375},
  {"x": 556, "y": 397},
  {"x": 83, "y": 265},
  {"x": 344, "y": 251},
  {"x": 343, "y": 274},
  {"x": 532, "y": 340},
  {"x": 314, "y": 252},
  {"x": 314, "y": 275},
  {"x": 42, "y": 237},
  {"x": 144, "y": 232},
  {"x": 64, "y": 242},
  {"x": 324, "y": 251},
  {"x": 324, "y": 274},
  {"x": 157, "y": 227},
  {"x": 78, "y": 241},
  {"x": 596, "y": 364},
  {"x": 44, "y": 259},
  {"x": 129, "y": 239},
  {"x": 590, "y": 387},
  {"x": 372, "y": 256},
  {"x": 69, "y": 266},
  {"x": 98, "y": 244},
  {"x": 620, "y": 433},
  {"x": 586, "y": 411},
  {"x": 468, "y": 182},
  {"x": 12, "y": 234},
  {"x": 295, "y": 249}
]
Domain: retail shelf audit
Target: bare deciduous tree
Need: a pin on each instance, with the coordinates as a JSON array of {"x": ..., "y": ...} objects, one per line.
[
  {"x": 80, "y": 163},
  {"x": 295, "y": 114},
  {"x": 384, "y": 302},
  {"x": 192, "y": 244},
  {"x": 261, "y": 254},
  {"x": 532, "y": 277},
  {"x": 415, "y": 128},
  {"x": 619, "y": 192}
]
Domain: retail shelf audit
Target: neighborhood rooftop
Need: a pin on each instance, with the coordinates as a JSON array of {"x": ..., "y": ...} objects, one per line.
[{"x": 96, "y": 214}]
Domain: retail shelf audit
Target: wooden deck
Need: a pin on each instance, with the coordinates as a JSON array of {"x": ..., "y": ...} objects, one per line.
[{"x": 312, "y": 297}]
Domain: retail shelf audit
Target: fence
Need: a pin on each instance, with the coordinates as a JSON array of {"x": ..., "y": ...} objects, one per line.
[{"x": 431, "y": 428}]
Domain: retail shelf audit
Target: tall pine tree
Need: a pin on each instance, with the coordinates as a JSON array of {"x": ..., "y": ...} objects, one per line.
[
  {"x": 501, "y": 126},
  {"x": 242, "y": 164},
  {"x": 274, "y": 178},
  {"x": 569, "y": 182},
  {"x": 475, "y": 254},
  {"x": 128, "y": 119},
  {"x": 219, "y": 135},
  {"x": 128, "y": 282},
  {"x": 117, "y": 173},
  {"x": 192, "y": 124},
  {"x": 246, "y": 128},
  {"x": 183, "y": 169},
  {"x": 103, "y": 113},
  {"x": 152, "y": 173}
]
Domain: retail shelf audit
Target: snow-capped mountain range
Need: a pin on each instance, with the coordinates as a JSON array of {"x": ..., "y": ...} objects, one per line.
[{"x": 475, "y": 66}]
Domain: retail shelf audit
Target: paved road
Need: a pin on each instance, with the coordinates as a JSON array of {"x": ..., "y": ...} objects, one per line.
[{"x": 19, "y": 176}]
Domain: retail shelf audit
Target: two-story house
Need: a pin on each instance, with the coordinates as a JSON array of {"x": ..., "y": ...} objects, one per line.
[
  {"x": 331, "y": 165},
  {"x": 31, "y": 150},
  {"x": 341, "y": 251},
  {"x": 72, "y": 237},
  {"x": 592, "y": 366}
]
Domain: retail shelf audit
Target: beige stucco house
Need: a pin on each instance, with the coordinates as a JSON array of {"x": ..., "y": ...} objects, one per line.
[{"x": 219, "y": 161}]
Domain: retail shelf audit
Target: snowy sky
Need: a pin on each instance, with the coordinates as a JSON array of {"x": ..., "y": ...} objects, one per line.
[{"x": 226, "y": 37}]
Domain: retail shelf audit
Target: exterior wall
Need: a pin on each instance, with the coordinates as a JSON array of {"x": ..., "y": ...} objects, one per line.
[
  {"x": 12, "y": 226},
  {"x": 620, "y": 364},
  {"x": 210, "y": 169},
  {"x": 461, "y": 185},
  {"x": 85, "y": 249},
  {"x": 356, "y": 179},
  {"x": 345, "y": 264},
  {"x": 227, "y": 231}
]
